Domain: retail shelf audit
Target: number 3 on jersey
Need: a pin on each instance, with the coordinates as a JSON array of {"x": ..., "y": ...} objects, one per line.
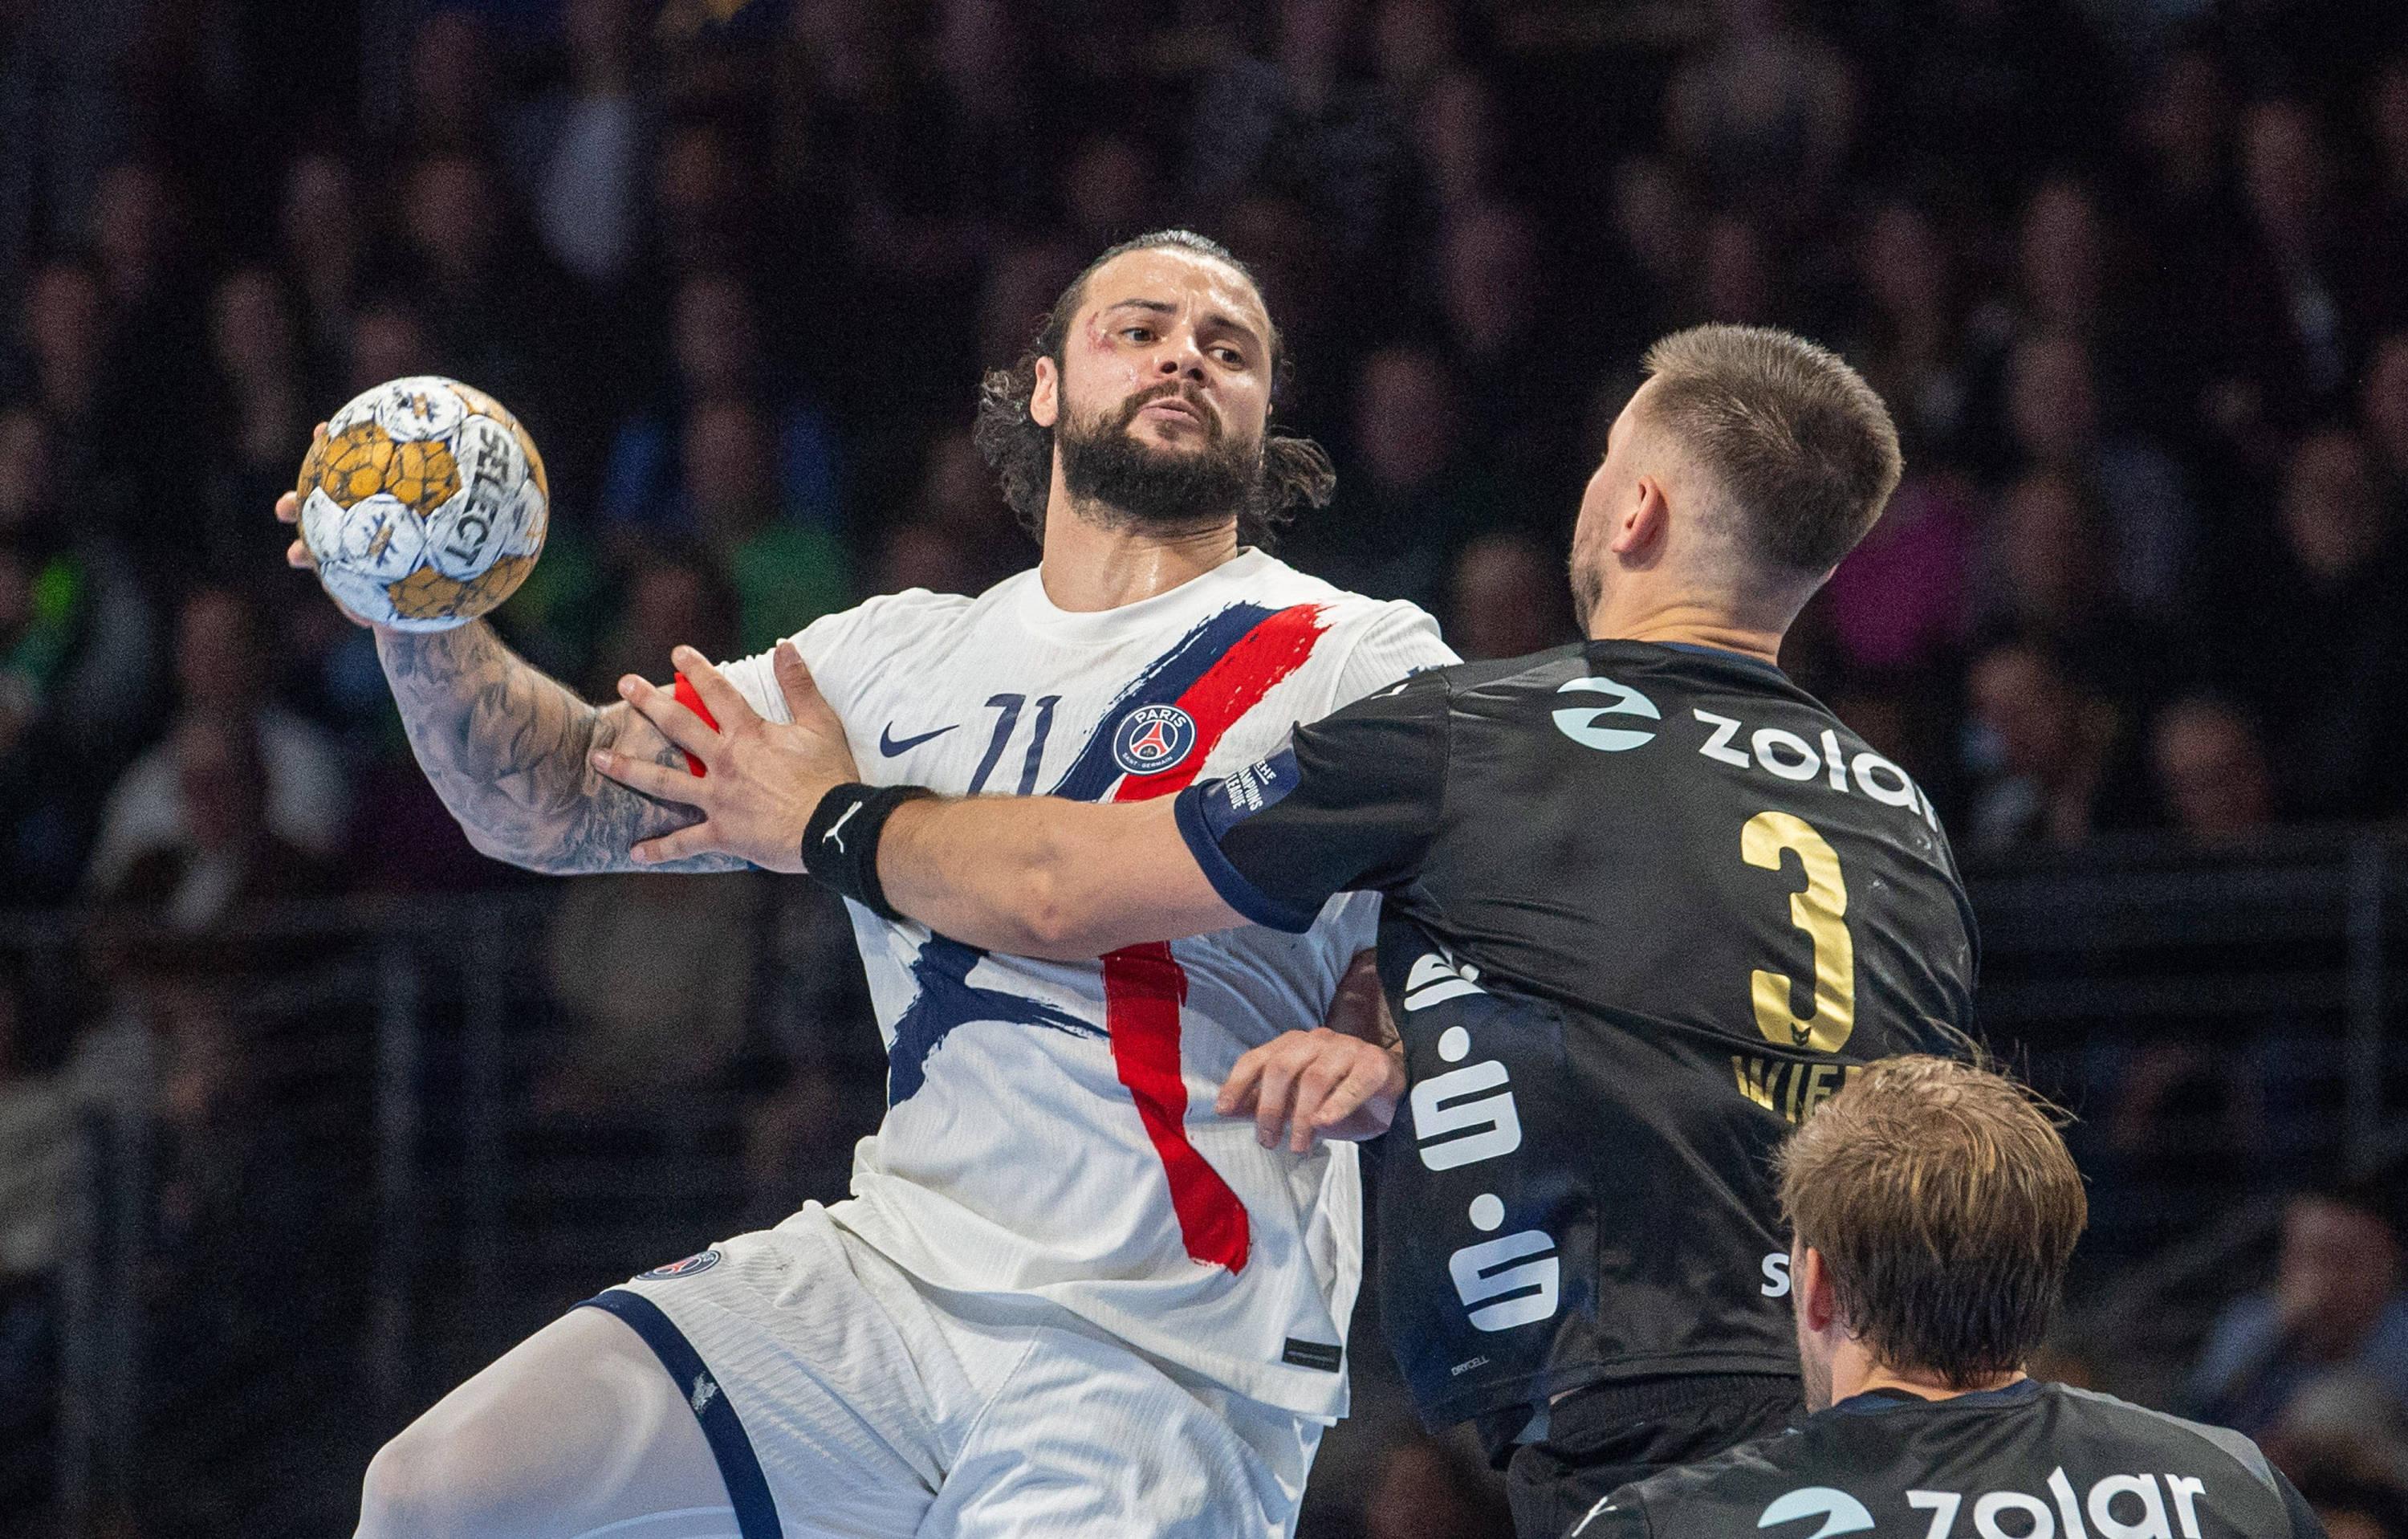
[{"x": 1821, "y": 912}]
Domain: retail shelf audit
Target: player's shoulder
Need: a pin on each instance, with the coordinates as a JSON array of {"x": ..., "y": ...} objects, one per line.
[
  {"x": 1534, "y": 672},
  {"x": 1734, "y": 1479},
  {"x": 1267, "y": 577},
  {"x": 2141, "y": 1422},
  {"x": 887, "y": 617}
]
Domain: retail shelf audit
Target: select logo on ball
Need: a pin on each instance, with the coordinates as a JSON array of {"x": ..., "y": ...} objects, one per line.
[{"x": 1153, "y": 738}]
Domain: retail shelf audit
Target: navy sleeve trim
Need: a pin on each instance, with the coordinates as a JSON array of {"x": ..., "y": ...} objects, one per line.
[{"x": 1230, "y": 882}]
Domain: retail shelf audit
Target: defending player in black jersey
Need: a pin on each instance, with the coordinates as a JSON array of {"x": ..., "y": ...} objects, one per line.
[
  {"x": 1934, "y": 1209},
  {"x": 1648, "y": 904}
]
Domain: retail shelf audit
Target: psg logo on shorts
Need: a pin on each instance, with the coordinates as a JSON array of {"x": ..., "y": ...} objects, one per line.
[
  {"x": 1153, "y": 738},
  {"x": 702, "y": 1261}
]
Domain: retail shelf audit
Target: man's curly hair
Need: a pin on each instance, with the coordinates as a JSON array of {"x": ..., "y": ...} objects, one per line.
[{"x": 1294, "y": 470}]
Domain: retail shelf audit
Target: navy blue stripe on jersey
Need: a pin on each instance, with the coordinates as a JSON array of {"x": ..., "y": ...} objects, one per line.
[
  {"x": 1163, "y": 682},
  {"x": 1206, "y": 810},
  {"x": 739, "y": 1468},
  {"x": 946, "y": 1000}
]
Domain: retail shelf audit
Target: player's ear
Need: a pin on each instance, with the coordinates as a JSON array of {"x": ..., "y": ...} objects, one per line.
[
  {"x": 1818, "y": 1301},
  {"x": 1640, "y": 523},
  {"x": 1045, "y": 395}
]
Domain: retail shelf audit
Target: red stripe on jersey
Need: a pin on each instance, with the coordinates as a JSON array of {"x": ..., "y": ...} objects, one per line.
[
  {"x": 691, "y": 698},
  {"x": 1144, "y": 987}
]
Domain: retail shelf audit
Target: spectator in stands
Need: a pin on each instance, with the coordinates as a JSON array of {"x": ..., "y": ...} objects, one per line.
[
  {"x": 2213, "y": 782},
  {"x": 1520, "y": 396},
  {"x": 2290, "y": 317},
  {"x": 76, "y": 663},
  {"x": 1764, "y": 118},
  {"x": 958, "y": 498},
  {"x": 656, "y": 973},
  {"x": 36, "y": 1130},
  {"x": 1910, "y": 342},
  {"x": 1650, "y": 247},
  {"x": 388, "y": 340},
  {"x": 1457, "y": 137},
  {"x": 261, "y": 424},
  {"x": 2346, "y": 1424},
  {"x": 470, "y": 274},
  {"x": 582, "y": 147},
  {"x": 2046, "y": 769},
  {"x": 2057, "y": 421},
  {"x": 2387, "y": 116},
  {"x": 1508, "y": 597},
  {"x": 717, "y": 350},
  {"x": 2357, "y": 1509},
  {"x": 786, "y": 573},
  {"x": 2337, "y": 1302},
  {"x": 1734, "y": 278},
  {"x": 223, "y": 860},
  {"x": 323, "y": 248},
  {"x": 1111, "y": 190},
  {"x": 2316, "y": 642},
  {"x": 1900, "y": 602},
  {"x": 1305, "y": 119},
  {"x": 454, "y": 82},
  {"x": 1409, "y": 498},
  {"x": 303, "y": 791},
  {"x": 2051, "y": 578},
  {"x": 920, "y": 554},
  {"x": 2382, "y": 413}
]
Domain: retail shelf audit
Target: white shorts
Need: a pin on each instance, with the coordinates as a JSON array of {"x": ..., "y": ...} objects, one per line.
[{"x": 876, "y": 1406}]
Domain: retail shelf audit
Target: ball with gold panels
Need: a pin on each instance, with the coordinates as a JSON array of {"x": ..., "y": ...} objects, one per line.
[{"x": 425, "y": 505}]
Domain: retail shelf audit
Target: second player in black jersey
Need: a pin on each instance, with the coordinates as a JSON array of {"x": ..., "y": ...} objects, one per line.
[
  {"x": 1646, "y": 907},
  {"x": 1933, "y": 1211}
]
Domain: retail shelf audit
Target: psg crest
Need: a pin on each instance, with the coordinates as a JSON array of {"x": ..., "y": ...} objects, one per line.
[
  {"x": 1153, "y": 738},
  {"x": 701, "y": 1261}
]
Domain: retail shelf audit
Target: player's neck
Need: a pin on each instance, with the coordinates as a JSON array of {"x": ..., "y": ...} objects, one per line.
[
  {"x": 1681, "y": 623},
  {"x": 1090, "y": 566},
  {"x": 1855, "y": 1372}
]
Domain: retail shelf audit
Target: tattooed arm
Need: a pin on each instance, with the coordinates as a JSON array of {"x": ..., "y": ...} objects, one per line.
[{"x": 508, "y": 750}]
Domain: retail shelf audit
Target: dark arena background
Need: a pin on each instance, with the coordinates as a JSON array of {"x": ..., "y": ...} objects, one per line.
[{"x": 307, "y": 1111}]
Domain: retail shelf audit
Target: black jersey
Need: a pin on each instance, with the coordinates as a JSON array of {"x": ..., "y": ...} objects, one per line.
[
  {"x": 2029, "y": 1459},
  {"x": 1645, "y": 907}
]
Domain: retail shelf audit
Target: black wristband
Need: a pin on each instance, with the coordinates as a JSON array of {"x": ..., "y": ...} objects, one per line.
[{"x": 840, "y": 843}]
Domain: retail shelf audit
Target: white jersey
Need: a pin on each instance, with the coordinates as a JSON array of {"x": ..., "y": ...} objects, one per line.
[{"x": 1050, "y": 1127}]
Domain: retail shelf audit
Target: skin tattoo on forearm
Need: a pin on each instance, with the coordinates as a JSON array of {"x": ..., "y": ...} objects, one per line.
[{"x": 506, "y": 747}]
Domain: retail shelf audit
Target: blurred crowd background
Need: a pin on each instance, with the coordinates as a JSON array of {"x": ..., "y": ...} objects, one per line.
[{"x": 2132, "y": 274}]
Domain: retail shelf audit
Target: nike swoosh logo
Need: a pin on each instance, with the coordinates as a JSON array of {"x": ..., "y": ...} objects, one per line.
[{"x": 890, "y": 746}]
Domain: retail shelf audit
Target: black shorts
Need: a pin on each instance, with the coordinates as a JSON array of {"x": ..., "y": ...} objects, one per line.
[{"x": 1608, "y": 1435}]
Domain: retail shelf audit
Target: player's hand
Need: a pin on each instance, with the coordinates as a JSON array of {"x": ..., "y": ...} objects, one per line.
[
  {"x": 1360, "y": 1006},
  {"x": 297, "y": 556},
  {"x": 1304, "y": 1085},
  {"x": 760, "y": 780}
]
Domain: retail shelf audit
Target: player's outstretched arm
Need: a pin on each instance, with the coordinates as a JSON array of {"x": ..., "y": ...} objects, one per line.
[
  {"x": 1046, "y": 877},
  {"x": 509, "y": 750},
  {"x": 1038, "y": 876}
]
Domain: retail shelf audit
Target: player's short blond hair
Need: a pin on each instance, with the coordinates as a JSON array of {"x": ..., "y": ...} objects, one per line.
[
  {"x": 1800, "y": 446},
  {"x": 1945, "y": 1208}
]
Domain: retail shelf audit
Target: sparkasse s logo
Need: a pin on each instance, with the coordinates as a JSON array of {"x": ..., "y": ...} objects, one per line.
[
  {"x": 1839, "y": 1512},
  {"x": 1579, "y": 722}
]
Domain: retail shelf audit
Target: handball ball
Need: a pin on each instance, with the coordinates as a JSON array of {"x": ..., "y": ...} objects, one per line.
[{"x": 425, "y": 505}]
